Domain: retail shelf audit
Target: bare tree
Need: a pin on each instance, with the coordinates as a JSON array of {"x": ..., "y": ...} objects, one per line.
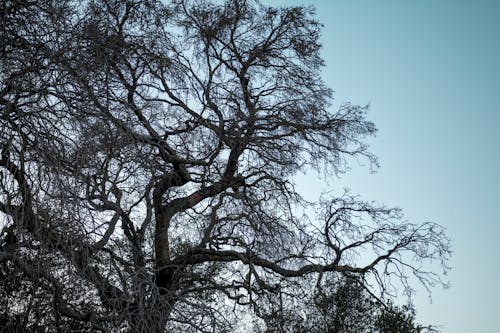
[{"x": 148, "y": 152}]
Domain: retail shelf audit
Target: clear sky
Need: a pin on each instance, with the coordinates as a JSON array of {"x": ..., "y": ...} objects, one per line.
[{"x": 431, "y": 71}]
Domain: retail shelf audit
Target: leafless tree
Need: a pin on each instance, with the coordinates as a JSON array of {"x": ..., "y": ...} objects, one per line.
[{"x": 148, "y": 151}]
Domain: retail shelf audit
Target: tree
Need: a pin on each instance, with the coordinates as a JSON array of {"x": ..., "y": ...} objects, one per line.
[
  {"x": 344, "y": 306},
  {"x": 339, "y": 306},
  {"x": 148, "y": 152},
  {"x": 400, "y": 319}
]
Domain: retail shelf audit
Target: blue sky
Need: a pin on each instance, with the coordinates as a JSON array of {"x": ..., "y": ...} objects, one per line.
[{"x": 430, "y": 70}]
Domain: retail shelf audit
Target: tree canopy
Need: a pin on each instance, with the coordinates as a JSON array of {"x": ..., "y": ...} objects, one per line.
[
  {"x": 344, "y": 306},
  {"x": 148, "y": 151}
]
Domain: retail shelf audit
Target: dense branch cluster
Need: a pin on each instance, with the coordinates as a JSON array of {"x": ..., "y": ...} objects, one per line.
[{"x": 148, "y": 151}]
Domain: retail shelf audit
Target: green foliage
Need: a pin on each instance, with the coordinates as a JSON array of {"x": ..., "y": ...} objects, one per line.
[
  {"x": 344, "y": 306},
  {"x": 396, "y": 319}
]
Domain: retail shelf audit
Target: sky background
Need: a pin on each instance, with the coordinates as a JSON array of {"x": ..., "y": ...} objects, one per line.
[{"x": 431, "y": 73}]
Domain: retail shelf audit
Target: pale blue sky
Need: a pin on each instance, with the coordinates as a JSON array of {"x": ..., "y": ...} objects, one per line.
[{"x": 431, "y": 71}]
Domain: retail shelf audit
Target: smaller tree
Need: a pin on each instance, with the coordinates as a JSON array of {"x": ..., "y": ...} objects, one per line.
[
  {"x": 344, "y": 306},
  {"x": 394, "y": 319}
]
